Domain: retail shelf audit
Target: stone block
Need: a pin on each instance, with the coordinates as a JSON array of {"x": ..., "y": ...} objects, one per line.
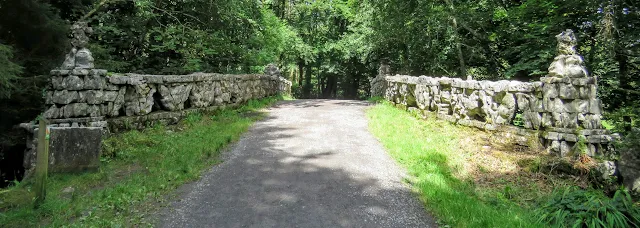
[
  {"x": 567, "y": 91},
  {"x": 629, "y": 167},
  {"x": 569, "y": 137},
  {"x": 118, "y": 79},
  {"x": 549, "y": 135},
  {"x": 565, "y": 149},
  {"x": 52, "y": 112},
  {"x": 110, "y": 96},
  {"x": 553, "y": 105},
  {"x": 94, "y": 96},
  {"x": 80, "y": 72},
  {"x": 576, "y": 106},
  {"x": 48, "y": 98},
  {"x": 549, "y": 91},
  {"x": 64, "y": 96},
  {"x": 536, "y": 104},
  {"x": 57, "y": 83},
  {"x": 94, "y": 82},
  {"x": 516, "y": 86},
  {"x": 74, "y": 149},
  {"x": 98, "y": 72},
  {"x": 532, "y": 120},
  {"x": 595, "y": 106},
  {"x": 73, "y": 83},
  {"x": 59, "y": 72},
  {"x": 523, "y": 102}
]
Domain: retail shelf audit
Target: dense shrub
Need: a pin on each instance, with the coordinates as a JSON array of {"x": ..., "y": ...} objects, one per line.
[{"x": 574, "y": 207}]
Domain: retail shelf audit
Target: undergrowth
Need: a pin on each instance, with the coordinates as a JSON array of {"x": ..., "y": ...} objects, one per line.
[
  {"x": 139, "y": 169},
  {"x": 574, "y": 207}
]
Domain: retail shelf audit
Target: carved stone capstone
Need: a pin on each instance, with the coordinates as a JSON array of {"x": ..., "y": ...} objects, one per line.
[
  {"x": 79, "y": 56},
  {"x": 384, "y": 69},
  {"x": 272, "y": 69},
  {"x": 568, "y": 63}
]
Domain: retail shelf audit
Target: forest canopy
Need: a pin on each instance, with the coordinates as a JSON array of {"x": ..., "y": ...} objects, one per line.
[{"x": 328, "y": 48}]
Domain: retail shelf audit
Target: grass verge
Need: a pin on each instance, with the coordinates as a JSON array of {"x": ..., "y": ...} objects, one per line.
[
  {"x": 463, "y": 176},
  {"x": 139, "y": 169}
]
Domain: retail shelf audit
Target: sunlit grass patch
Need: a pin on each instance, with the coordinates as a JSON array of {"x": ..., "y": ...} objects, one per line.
[{"x": 434, "y": 154}]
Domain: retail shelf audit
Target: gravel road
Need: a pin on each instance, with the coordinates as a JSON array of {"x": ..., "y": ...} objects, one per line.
[{"x": 309, "y": 163}]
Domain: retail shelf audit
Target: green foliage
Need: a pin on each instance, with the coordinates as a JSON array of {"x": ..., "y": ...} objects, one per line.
[
  {"x": 574, "y": 207},
  {"x": 8, "y": 72}
]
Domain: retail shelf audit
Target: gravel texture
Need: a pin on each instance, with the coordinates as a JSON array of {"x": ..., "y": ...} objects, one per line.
[{"x": 309, "y": 163}]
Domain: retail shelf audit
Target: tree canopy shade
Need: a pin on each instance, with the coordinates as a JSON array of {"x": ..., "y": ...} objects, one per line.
[{"x": 329, "y": 48}]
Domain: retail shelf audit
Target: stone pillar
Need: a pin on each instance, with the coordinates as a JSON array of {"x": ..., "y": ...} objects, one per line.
[
  {"x": 379, "y": 84},
  {"x": 284, "y": 85},
  {"x": 572, "y": 110},
  {"x": 77, "y": 89}
]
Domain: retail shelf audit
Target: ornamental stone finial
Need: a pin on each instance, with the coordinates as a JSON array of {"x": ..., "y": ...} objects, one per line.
[
  {"x": 272, "y": 70},
  {"x": 384, "y": 68},
  {"x": 567, "y": 43},
  {"x": 568, "y": 63},
  {"x": 79, "y": 56}
]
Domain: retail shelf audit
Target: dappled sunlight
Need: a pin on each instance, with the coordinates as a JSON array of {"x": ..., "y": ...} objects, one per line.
[{"x": 287, "y": 168}]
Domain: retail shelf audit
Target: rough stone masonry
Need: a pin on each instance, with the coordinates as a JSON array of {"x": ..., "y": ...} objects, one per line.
[
  {"x": 563, "y": 108},
  {"x": 80, "y": 96}
]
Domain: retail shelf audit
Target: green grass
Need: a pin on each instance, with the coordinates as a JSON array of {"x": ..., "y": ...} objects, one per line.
[
  {"x": 430, "y": 151},
  {"x": 139, "y": 170}
]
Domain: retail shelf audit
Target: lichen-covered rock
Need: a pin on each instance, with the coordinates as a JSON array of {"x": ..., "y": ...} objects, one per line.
[
  {"x": 173, "y": 97},
  {"x": 72, "y": 83},
  {"x": 64, "y": 96}
]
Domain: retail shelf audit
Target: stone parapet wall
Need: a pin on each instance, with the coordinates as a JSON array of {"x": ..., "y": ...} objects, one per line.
[
  {"x": 81, "y": 93},
  {"x": 81, "y": 99},
  {"x": 562, "y": 110}
]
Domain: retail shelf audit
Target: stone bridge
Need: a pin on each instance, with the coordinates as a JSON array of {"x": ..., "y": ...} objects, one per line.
[{"x": 562, "y": 109}]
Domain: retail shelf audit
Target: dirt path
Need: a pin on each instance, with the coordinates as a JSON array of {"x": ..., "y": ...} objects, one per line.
[{"x": 310, "y": 163}]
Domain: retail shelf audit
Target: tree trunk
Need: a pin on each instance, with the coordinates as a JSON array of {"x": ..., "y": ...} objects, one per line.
[
  {"x": 306, "y": 93},
  {"x": 456, "y": 36}
]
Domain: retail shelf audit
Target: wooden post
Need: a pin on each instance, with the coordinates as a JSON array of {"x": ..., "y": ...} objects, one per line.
[{"x": 42, "y": 164}]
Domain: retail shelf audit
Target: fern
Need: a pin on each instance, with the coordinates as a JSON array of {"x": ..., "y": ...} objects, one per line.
[{"x": 574, "y": 207}]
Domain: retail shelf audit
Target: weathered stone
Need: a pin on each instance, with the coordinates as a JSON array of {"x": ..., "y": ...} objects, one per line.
[
  {"x": 567, "y": 91},
  {"x": 532, "y": 120},
  {"x": 84, "y": 59},
  {"x": 74, "y": 149},
  {"x": 73, "y": 83},
  {"x": 110, "y": 95},
  {"x": 629, "y": 167},
  {"x": 94, "y": 96},
  {"x": 94, "y": 110},
  {"x": 98, "y": 72},
  {"x": 565, "y": 149},
  {"x": 48, "y": 98},
  {"x": 94, "y": 82},
  {"x": 577, "y": 106},
  {"x": 516, "y": 86},
  {"x": 52, "y": 113},
  {"x": 550, "y": 135},
  {"x": 595, "y": 106},
  {"x": 80, "y": 72},
  {"x": 550, "y": 90},
  {"x": 118, "y": 80},
  {"x": 606, "y": 169},
  {"x": 64, "y": 97},
  {"x": 523, "y": 102}
]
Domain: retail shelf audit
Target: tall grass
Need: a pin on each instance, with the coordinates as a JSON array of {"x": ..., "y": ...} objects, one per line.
[
  {"x": 139, "y": 170},
  {"x": 429, "y": 150}
]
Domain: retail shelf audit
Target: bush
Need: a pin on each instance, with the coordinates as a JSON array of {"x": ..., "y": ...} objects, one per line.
[{"x": 574, "y": 207}]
